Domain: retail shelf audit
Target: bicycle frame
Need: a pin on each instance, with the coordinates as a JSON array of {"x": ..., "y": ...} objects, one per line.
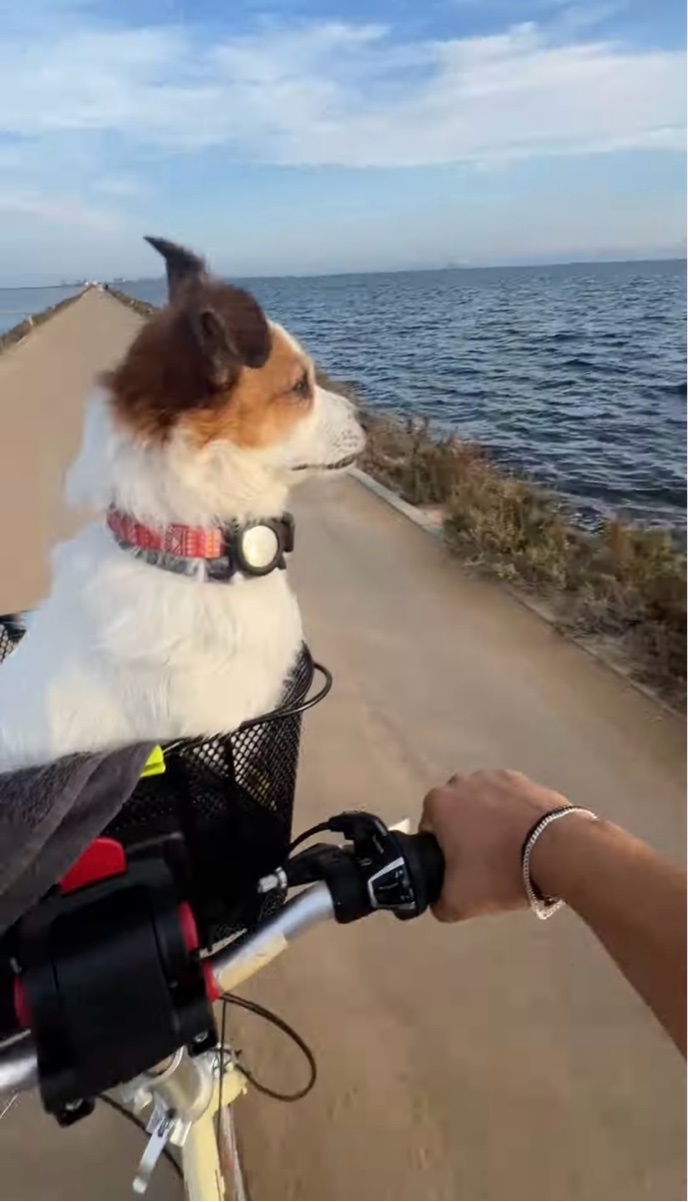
[{"x": 205, "y": 1176}]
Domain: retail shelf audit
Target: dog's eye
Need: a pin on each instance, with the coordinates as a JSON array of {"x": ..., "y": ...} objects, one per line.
[{"x": 302, "y": 388}]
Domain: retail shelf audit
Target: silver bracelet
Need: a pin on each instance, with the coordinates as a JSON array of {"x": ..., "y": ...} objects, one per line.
[{"x": 544, "y": 907}]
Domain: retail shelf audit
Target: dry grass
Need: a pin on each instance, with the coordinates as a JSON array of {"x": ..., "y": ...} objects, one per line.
[
  {"x": 143, "y": 308},
  {"x": 11, "y": 337},
  {"x": 622, "y": 585}
]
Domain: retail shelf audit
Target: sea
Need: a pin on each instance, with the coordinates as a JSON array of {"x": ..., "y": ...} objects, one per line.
[
  {"x": 16, "y": 304},
  {"x": 574, "y": 376}
]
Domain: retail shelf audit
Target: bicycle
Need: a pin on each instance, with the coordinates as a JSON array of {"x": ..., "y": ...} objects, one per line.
[
  {"x": 117, "y": 969},
  {"x": 189, "y": 1093}
]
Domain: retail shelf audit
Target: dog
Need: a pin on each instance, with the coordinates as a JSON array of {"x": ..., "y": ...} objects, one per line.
[{"x": 170, "y": 616}]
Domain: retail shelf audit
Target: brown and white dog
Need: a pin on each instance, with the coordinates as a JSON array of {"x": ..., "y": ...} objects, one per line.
[{"x": 157, "y": 625}]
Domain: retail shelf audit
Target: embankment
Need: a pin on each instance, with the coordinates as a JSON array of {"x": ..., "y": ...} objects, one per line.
[{"x": 22, "y": 328}]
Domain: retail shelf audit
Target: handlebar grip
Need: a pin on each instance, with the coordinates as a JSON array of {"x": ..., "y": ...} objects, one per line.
[{"x": 425, "y": 863}]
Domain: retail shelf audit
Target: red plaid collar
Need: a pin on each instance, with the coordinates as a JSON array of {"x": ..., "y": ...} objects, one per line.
[{"x": 186, "y": 542}]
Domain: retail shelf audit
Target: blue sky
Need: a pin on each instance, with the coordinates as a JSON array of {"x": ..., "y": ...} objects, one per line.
[{"x": 334, "y": 135}]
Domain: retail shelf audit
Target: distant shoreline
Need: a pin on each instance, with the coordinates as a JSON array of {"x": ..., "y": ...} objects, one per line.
[
  {"x": 40, "y": 287},
  {"x": 326, "y": 275}
]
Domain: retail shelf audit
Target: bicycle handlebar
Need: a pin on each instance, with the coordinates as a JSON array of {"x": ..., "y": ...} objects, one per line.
[
  {"x": 18, "y": 1065},
  {"x": 246, "y": 956},
  {"x": 249, "y": 953},
  {"x": 382, "y": 870},
  {"x": 424, "y": 862}
]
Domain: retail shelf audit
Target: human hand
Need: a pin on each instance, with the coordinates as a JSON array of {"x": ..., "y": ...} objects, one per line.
[{"x": 480, "y": 822}]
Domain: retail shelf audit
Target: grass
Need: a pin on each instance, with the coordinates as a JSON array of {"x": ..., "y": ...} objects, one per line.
[
  {"x": 18, "y": 332},
  {"x": 143, "y": 308},
  {"x": 621, "y": 587}
]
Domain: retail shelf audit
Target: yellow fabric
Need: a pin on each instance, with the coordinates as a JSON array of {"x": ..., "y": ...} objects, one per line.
[{"x": 155, "y": 764}]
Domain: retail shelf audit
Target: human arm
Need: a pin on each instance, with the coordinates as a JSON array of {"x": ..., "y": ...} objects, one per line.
[{"x": 632, "y": 899}]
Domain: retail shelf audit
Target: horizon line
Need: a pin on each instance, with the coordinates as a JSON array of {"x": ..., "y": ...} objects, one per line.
[{"x": 145, "y": 279}]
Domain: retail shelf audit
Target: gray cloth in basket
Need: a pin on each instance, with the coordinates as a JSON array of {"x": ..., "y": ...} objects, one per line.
[{"x": 48, "y": 815}]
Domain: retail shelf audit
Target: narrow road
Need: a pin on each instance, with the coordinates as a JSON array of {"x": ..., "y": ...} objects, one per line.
[{"x": 501, "y": 1059}]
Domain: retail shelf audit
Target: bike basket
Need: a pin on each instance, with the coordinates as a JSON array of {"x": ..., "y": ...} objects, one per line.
[{"x": 221, "y": 812}]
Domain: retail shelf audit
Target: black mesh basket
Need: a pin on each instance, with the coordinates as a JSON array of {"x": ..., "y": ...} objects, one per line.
[{"x": 221, "y": 812}]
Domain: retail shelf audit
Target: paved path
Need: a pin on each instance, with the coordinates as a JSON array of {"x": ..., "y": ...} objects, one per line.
[
  {"x": 503, "y": 1059},
  {"x": 43, "y": 383}
]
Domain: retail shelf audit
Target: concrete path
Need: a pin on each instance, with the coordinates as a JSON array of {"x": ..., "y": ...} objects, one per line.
[
  {"x": 502, "y": 1059},
  {"x": 43, "y": 383}
]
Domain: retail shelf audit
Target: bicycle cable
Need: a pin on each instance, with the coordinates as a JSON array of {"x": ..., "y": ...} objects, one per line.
[
  {"x": 319, "y": 828},
  {"x": 232, "y": 999}
]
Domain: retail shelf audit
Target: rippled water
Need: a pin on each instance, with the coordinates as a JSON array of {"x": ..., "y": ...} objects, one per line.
[
  {"x": 574, "y": 375},
  {"x": 19, "y": 303}
]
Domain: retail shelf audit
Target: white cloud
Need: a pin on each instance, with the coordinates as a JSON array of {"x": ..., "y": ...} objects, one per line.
[
  {"x": 58, "y": 211},
  {"x": 343, "y": 94},
  {"x": 121, "y": 187},
  {"x": 89, "y": 110}
]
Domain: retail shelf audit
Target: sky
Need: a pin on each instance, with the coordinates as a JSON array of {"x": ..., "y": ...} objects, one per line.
[{"x": 313, "y": 136}]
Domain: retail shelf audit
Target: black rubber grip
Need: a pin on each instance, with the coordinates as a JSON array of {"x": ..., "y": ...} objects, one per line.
[
  {"x": 425, "y": 862},
  {"x": 432, "y": 864}
]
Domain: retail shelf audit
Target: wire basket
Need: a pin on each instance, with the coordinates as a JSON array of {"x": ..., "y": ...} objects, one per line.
[
  {"x": 11, "y": 630},
  {"x": 221, "y": 813}
]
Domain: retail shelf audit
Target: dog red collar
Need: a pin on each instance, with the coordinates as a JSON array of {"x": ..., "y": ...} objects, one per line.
[{"x": 212, "y": 553}]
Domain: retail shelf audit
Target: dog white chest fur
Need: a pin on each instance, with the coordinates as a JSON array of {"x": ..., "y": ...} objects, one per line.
[{"x": 122, "y": 651}]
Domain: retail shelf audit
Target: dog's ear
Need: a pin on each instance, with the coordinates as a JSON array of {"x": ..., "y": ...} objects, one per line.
[
  {"x": 230, "y": 329},
  {"x": 183, "y": 267},
  {"x": 189, "y": 355}
]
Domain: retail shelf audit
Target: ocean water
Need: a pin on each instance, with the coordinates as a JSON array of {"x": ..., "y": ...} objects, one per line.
[
  {"x": 18, "y": 303},
  {"x": 574, "y": 375}
]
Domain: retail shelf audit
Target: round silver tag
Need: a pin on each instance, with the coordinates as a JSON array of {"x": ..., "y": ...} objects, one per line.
[{"x": 259, "y": 546}]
